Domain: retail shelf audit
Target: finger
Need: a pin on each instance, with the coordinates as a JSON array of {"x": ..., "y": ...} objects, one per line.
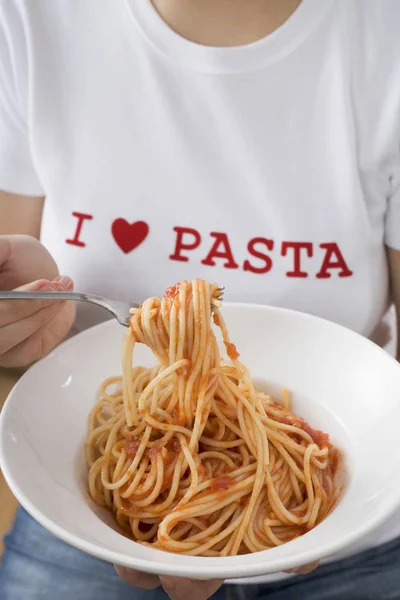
[
  {"x": 382, "y": 335},
  {"x": 12, "y": 311},
  {"x": 22, "y": 259},
  {"x": 184, "y": 589},
  {"x": 305, "y": 569},
  {"x": 138, "y": 579},
  {"x": 5, "y": 249},
  {"x": 43, "y": 339},
  {"x": 15, "y": 332}
]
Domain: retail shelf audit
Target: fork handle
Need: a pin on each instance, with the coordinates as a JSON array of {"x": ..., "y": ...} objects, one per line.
[
  {"x": 41, "y": 296},
  {"x": 92, "y": 298},
  {"x": 110, "y": 305},
  {"x": 118, "y": 308}
]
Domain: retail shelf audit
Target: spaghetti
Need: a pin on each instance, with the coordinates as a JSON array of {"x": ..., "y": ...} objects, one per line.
[{"x": 188, "y": 455}]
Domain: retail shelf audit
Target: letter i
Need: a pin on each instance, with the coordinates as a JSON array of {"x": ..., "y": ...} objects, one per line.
[{"x": 75, "y": 241}]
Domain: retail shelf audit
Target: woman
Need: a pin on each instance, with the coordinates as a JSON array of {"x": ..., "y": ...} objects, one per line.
[{"x": 250, "y": 142}]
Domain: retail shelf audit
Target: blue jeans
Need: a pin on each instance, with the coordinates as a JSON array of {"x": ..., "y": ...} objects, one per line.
[{"x": 37, "y": 566}]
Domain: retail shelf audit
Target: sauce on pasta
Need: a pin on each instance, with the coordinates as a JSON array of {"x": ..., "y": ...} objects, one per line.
[{"x": 188, "y": 455}]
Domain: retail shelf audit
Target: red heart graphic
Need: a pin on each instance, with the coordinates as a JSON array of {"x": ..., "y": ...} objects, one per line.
[{"x": 129, "y": 235}]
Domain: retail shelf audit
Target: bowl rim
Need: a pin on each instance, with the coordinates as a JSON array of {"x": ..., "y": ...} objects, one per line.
[{"x": 223, "y": 568}]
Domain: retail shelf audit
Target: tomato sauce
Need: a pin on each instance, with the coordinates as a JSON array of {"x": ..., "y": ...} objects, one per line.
[
  {"x": 221, "y": 483},
  {"x": 131, "y": 447},
  {"x": 318, "y": 437},
  {"x": 217, "y": 320},
  {"x": 172, "y": 291},
  {"x": 231, "y": 351}
]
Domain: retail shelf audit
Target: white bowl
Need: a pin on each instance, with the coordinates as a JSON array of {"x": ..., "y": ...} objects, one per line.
[{"x": 342, "y": 383}]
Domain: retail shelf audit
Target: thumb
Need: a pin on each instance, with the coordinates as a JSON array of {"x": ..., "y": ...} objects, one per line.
[
  {"x": 183, "y": 589},
  {"x": 305, "y": 569},
  {"x": 59, "y": 284},
  {"x": 5, "y": 249},
  {"x": 138, "y": 579}
]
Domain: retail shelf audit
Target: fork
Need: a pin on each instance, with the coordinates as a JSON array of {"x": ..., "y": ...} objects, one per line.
[{"x": 118, "y": 308}]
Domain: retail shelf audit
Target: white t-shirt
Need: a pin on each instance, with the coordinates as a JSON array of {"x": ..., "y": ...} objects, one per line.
[{"x": 271, "y": 168}]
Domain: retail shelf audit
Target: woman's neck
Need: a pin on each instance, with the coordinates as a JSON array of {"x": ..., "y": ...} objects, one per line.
[{"x": 225, "y": 22}]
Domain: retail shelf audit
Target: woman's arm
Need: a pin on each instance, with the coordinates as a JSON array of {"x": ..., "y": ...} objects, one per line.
[
  {"x": 394, "y": 268},
  {"x": 20, "y": 214},
  {"x": 27, "y": 259},
  {"x": 28, "y": 328}
]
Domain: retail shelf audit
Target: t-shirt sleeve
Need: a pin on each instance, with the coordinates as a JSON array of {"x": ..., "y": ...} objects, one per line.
[
  {"x": 17, "y": 170},
  {"x": 392, "y": 232}
]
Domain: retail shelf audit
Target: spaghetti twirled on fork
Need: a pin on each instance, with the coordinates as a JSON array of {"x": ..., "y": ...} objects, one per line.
[{"x": 188, "y": 455}]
